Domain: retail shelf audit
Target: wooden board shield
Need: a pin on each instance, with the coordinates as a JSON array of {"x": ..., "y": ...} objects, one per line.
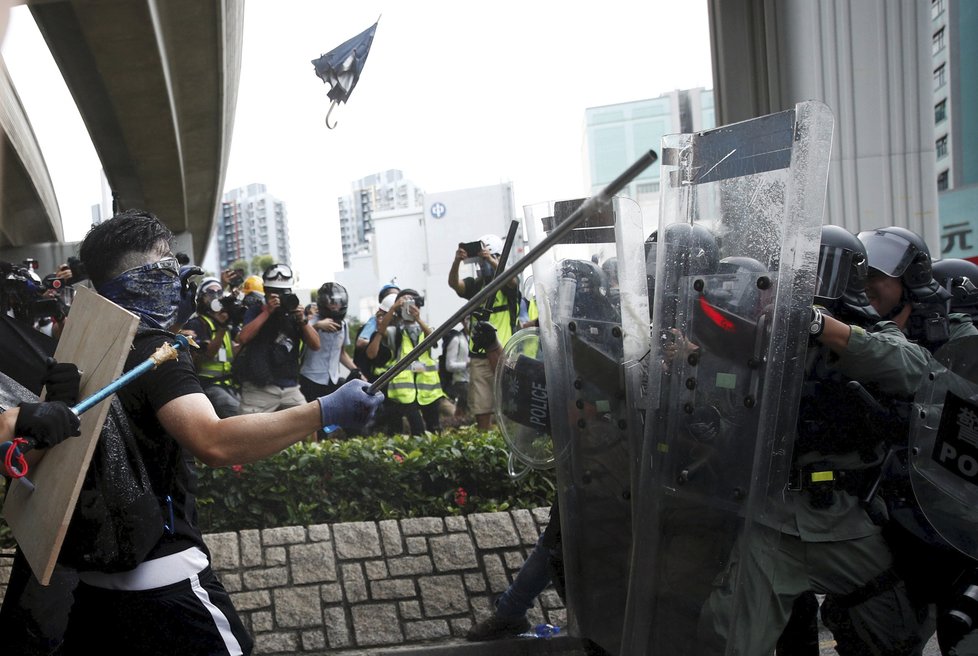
[{"x": 97, "y": 337}]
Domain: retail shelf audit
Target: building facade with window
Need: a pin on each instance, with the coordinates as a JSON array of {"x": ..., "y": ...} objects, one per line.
[
  {"x": 252, "y": 222},
  {"x": 380, "y": 192},
  {"x": 617, "y": 135},
  {"x": 954, "y": 52}
]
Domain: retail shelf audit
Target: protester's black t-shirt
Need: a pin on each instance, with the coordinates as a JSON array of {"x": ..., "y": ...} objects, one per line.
[{"x": 171, "y": 468}]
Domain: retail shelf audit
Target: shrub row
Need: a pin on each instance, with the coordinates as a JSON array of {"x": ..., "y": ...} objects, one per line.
[
  {"x": 368, "y": 479},
  {"x": 457, "y": 472}
]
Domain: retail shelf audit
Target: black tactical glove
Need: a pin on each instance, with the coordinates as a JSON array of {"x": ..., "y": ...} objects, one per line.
[
  {"x": 46, "y": 424},
  {"x": 483, "y": 336},
  {"x": 62, "y": 380}
]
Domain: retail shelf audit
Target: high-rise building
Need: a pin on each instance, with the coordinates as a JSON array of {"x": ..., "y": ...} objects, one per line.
[
  {"x": 252, "y": 223},
  {"x": 617, "y": 135},
  {"x": 380, "y": 192},
  {"x": 955, "y": 62}
]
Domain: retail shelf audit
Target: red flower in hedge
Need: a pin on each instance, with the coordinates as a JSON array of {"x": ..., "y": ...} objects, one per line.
[
  {"x": 461, "y": 496},
  {"x": 398, "y": 457},
  {"x": 237, "y": 469}
]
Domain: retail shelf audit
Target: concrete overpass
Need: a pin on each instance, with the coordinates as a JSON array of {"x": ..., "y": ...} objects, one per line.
[{"x": 156, "y": 85}]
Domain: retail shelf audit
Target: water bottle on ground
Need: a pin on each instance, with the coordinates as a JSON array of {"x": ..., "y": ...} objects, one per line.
[{"x": 541, "y": 631}]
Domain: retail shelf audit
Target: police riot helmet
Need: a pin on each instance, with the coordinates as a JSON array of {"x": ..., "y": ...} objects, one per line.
[
  {"x": 843, "y": 267},
  {"x": 332, "y": 301},
  {"x": 741, "y": 294},
  {"x": 901, "y": 253},
  {"x": 959, "y": 278},
  {"x": 692, "y": 246}
]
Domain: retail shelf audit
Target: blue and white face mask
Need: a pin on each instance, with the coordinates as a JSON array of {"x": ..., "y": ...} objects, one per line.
[{"x": 151, "y": 291}]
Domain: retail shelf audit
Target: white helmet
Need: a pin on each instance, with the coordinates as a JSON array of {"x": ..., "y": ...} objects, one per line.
[{"x": 494, "y": 243}]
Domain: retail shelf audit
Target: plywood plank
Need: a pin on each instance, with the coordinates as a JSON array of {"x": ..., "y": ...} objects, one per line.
[{"x": 97, "y": 337}]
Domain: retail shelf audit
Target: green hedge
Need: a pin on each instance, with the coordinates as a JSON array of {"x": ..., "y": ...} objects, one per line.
[
  {"x": 457, "y": 472},
  {"x": 371, "y": 478}
]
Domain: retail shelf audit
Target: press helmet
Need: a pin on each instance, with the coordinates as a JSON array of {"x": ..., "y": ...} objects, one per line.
[
  {"x": 332, "y": 301},
  {"x": 960, "y": 279},
  {"x": 253, "y": 284},
  {"x": 278, "y": 277},
  {"x": 494, "y": 243},
  {"x": 901, "y": 253},
  {"x": 843, "y": 268},
  {"x": 209, "y": 290}
]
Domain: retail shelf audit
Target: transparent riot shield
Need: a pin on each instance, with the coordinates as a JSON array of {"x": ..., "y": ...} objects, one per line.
[
  {"x": 521, "y": 402},
  {"x": 733, "y": 269},
  {"x": 594, "y": 331},
  {"x": 944, "y": 445}
]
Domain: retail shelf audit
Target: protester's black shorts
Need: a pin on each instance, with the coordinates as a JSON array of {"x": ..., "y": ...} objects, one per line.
[{"x": 191, "y": 617}]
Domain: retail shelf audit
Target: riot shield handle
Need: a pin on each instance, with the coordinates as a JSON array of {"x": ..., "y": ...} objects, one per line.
[{"x": 590, "y": 207}]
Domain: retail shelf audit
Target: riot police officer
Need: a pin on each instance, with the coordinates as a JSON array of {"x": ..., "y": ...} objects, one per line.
[
  {"x": 960, "y": 279},
  {"x": 906, "y": 288},
  {"x": 829, "y": 542}
]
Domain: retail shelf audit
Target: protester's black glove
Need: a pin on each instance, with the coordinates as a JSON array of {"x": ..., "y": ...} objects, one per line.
[
  {"x": 46, "y": 424},
  {"x": 62, "y": 380},
  {"x": 188, "y": 293},
  {"x": 483, "y": 336}
]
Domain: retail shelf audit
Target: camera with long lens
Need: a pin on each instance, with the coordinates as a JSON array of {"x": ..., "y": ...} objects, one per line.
[
  {"x": 231, "y": 306},
  {"x": 21, "y": 292},
  {"x": 290, "y": 302}
]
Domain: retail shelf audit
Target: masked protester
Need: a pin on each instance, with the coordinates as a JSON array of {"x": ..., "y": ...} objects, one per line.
[{"x": 172, "y": 600}]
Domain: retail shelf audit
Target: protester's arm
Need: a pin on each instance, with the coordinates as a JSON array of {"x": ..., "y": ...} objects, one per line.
[
  {"x": 453, "y": 279},
  {"x": 247, "y": 438}
]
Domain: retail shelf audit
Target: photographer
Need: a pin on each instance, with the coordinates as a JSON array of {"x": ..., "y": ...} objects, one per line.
[
  {"x": 272, "y": 339},
  {"x": 320, "y": 372},
  {"x": 502, "y": 315},
  {"x": 414, "y": 394},
  {"x": 213, "y": 328}
]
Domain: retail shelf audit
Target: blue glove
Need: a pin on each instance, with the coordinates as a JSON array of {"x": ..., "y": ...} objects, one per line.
[
  {"x": 350, "y": 406},
  {"x": 188, "y": 294}
]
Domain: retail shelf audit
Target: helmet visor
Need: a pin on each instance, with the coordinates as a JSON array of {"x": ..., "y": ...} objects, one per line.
[
  {"x": 891, "y": 254},
  {"x": 834, "y": 267}
]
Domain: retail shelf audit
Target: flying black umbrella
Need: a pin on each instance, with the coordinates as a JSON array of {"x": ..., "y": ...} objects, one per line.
[{"x": 340, "y": 67}]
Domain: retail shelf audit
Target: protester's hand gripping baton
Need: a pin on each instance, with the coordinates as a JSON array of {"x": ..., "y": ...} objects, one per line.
[
  {"x": 592, "y": 206},
  {"x": 15, "y": 466}
]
